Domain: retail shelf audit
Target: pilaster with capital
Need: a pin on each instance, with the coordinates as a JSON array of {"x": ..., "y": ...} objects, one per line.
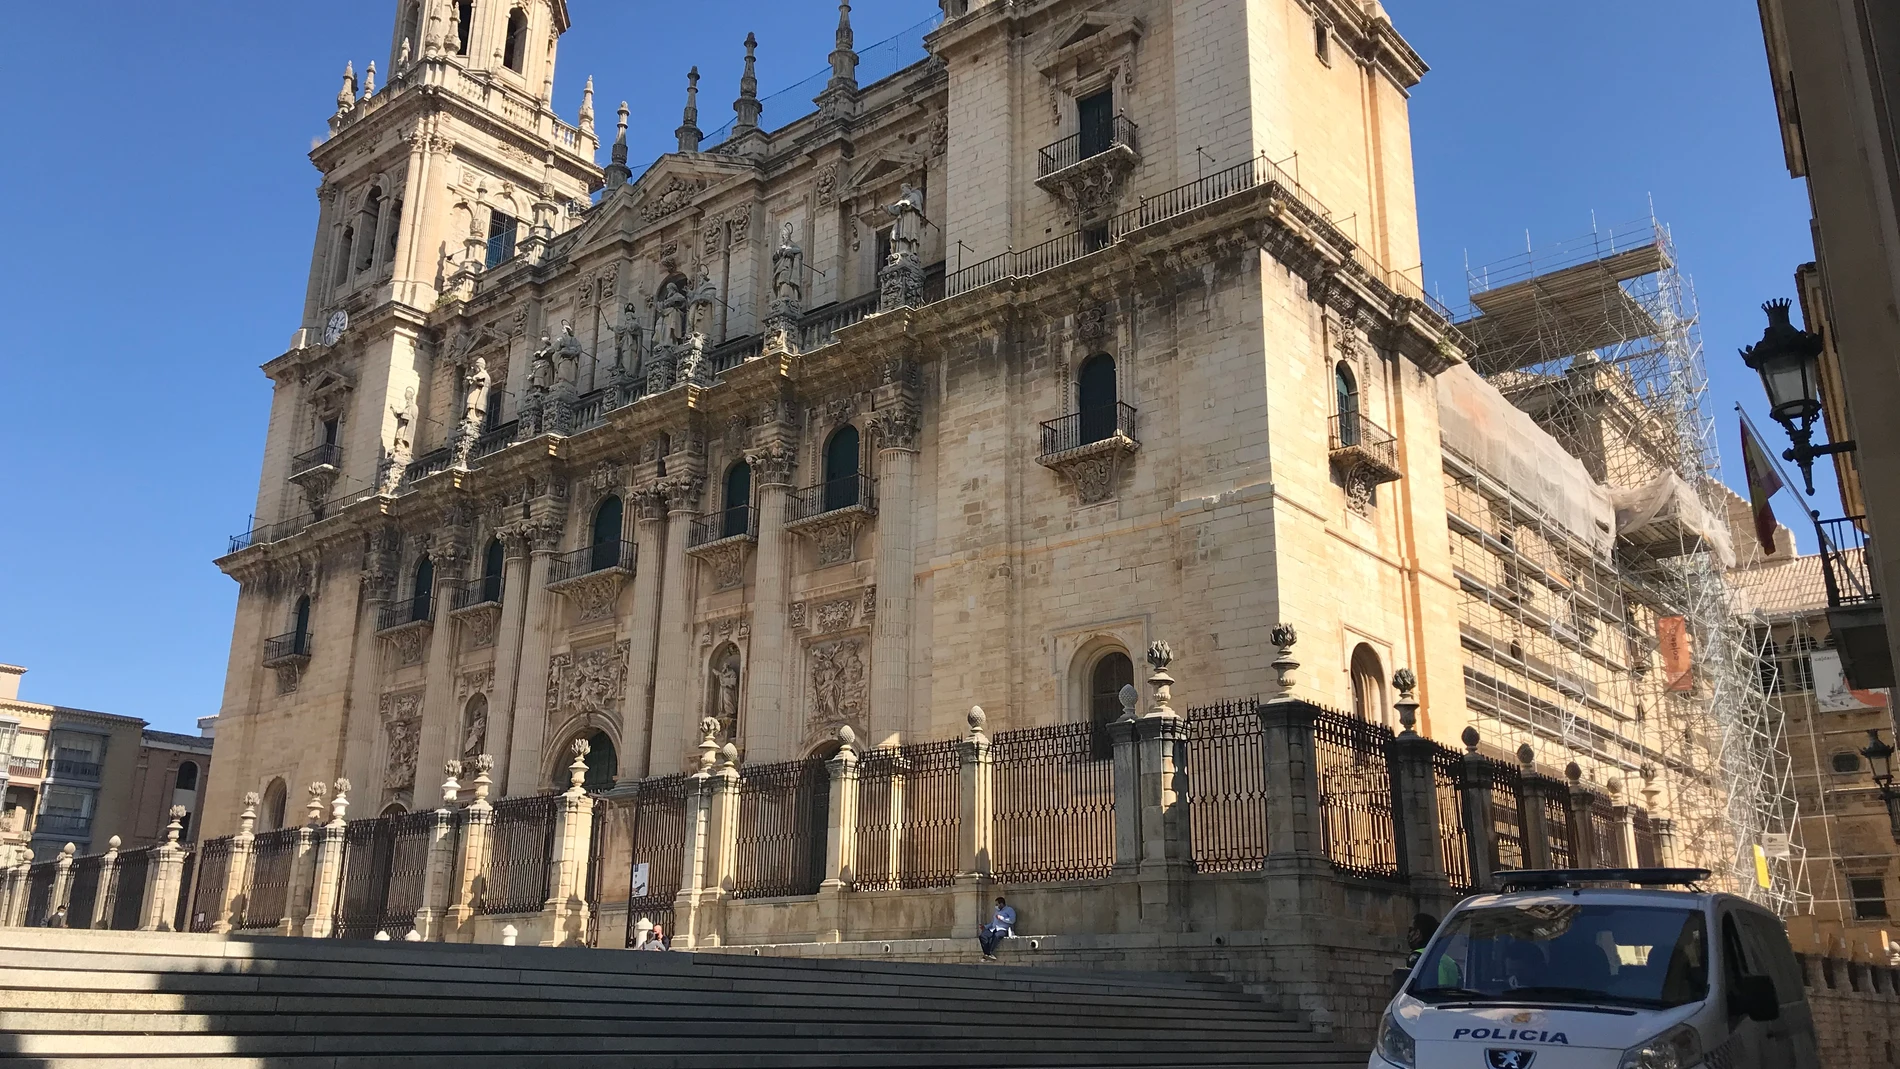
[
  {"x": 673, "y": 715},
  {"x": 522, "y": 774},
  {"x": 649, "y": 509},
  {"x": 441, "y": 720},
  {"x": 517, "y": 540},
  {"x": 769, "y": 730},
  {"x": 897, "y": 424}
]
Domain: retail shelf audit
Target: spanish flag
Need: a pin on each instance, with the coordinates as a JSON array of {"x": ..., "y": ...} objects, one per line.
[{"x": 1763, "y": 482}]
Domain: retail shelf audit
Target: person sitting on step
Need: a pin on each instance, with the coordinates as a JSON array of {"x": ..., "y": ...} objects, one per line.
[{"x": 1002, "y": 925}]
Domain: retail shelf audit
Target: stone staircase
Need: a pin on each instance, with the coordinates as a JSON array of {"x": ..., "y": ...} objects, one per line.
[{"x": 96, "y": 999}]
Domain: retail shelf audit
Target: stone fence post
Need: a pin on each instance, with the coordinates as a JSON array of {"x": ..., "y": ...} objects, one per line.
[
  {"x": 234, "y": 896},
  {"x": 6, "y": 884},
  {"x": 566, "y": 907},
  {"x": 107, "y": 892},
  {"x": 1481, "y": 826},
  {"x": 693, "y": 864},
  {"x": 303, "y": 862},
  {"x": 471, "y": 864},
  {"x": 17, "y": 873},
  {"x": 1415, "y": 798},
  {"x": 1533, "y": 827},
  {"x": 712, "y": 829},
  {"x": 1161, "y": 791},
  {"x": 1623, "y": 851},
  {"x": 438, "y": 879},
  {"x": 1127, "y": 783},
  {"x": 1583, "y": 836},
  {"x": 62, "y": 883},
  {"x": 976, "y": 807},
  {"x": 328, "y": 883},
  {"x": 841, "y": 836},
  {"x": 158, "y": 910}
]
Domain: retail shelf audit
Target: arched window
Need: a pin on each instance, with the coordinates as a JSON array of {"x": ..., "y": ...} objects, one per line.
[
  {"x": 300, "y": 626},
  {"x": 1368, "y": 685},
  {"x": 393, "y": 809},
  {"x": 395, "y": 228},
  {"x": 187, "y": 776},
  {"x": 736, "y": 518},
  {"x": 1106, "y": 679},
  {"x": 1095, "y": 397},
  {"x": 372, "y": 216},
  {"x": 515, "y": 46},
  {"x": 606, "y": 552},
  {"x": 841, "y": 468},
  {"x": 410, "y": 29},
  {"x": 1346, "y": 403},
  {"x": 491, "y": 571},
  {"x": 270, "y": 814},
  {"x": 663, "y": 445},
  {"x": 342, "y": 274},
  {"x": 464, "y": 23},
  {"x": 420, "y": 593}
]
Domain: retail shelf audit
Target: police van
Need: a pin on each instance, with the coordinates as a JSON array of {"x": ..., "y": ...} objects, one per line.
[{"x": 1560, "y": 971}]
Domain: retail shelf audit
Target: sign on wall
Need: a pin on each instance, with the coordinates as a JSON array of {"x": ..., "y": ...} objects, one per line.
[
  {"x": 1672, "y": 640},
  {"x": 1831, "y": 691}
]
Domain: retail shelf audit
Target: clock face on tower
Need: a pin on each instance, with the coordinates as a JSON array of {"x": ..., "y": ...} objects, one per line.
[{"x": 339, "y": 322}]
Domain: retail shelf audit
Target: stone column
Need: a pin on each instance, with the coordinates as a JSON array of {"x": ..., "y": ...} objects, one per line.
[
  {"x": 478, "y": 825},
  {"x": 769, "y": 734},
  {"x": 672, "y": 718},
  {"x": 515, "y": 591},
  {"x": 722, "y": 846},
  {"x": 566, "y": 908},
  {"x": 1127, "y": 781},
  {"x": 303, "y": 862},
  {"x": 19, "y": 881},
  {"x": 1530, "y": 810},
  {"x": 1481, "y": 830},
  {"x": 1665, "y": 840},
  {"x": 703, "y": 861},
  {"x": 522, "y": 773},
  {"x": 1415, "y": 817},
  {"x": 636, "y": 758},
  {"x": 234, "y": 896},
  {"x": 9, "y": 869},
  {"x": 108, "y": 889},
  {"x": 1624, "y": 830},
  {"x": 974, "y": 827},
  {"x": 328, "y": 885},
  {"x": 896, "y": 424},
  {"x": 158, "y": 911},
  {"x": 440, "y": 874},
  {"x": 441, "y": 721},
  {"x": 841, "y": 837},
  {"x": 62, "y": 882},
  {"x": 1583, "y": 838},
  {"x": 1167, "y": 853}
]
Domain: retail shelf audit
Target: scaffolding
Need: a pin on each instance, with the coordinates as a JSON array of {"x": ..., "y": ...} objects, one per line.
[{"x": 1597, "y": 618}]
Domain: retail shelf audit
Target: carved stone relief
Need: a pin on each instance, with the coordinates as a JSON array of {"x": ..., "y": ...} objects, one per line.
[
  {"x": 838, "y": 684},
  {"x": 401, "y": 716},
  {"x": 833, "y": 615},
  {"x": 587, "y": 681}
]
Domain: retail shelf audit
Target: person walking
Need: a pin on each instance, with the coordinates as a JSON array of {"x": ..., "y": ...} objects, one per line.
[{"x": 1002, "y": 925}]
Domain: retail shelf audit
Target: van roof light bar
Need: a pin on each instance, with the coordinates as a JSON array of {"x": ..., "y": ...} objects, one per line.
[{"x": 1545, "y": 879}]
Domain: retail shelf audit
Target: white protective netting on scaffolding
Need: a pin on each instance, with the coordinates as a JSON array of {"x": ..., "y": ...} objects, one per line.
[{"x": 1596, "y": 341}]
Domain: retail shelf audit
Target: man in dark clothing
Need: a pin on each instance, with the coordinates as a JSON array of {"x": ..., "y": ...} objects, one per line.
[
  {"x": 1419, "y": 934},
  {"x": 57, "y": 919},
  {"x": 1001, "y": 926}
]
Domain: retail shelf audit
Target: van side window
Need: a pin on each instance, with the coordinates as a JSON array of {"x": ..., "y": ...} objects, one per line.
[
  {"x": 1769, "y": 952},
  {"x": 1735, "y": 963}
]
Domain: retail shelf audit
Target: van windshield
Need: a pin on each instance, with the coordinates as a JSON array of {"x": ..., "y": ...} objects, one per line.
[{"x": 1565, "y": 952}]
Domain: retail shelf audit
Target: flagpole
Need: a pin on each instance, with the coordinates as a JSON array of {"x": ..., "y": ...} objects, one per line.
[{"x": 1823, "y": 543}]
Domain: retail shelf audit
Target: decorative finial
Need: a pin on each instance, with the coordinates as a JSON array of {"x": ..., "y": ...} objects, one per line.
[
  {"x": 688, "y": 132},
  {"x": 977, "y": 721},
  {"x": 451, "y": 785},
  {"x": 1159, "y": 657},
  {"x": 1526, "y": 756},
  {"x": 340, "y": 801},
  {"x": 847, "y": 738},
  {"x": 369, "y": 80},
  {"x": 1129, "y": 697},
  {"x": 69, "y": 849},
  {"x": 346, "y": 96},
  {"x": 729, "y": 755},
  {"x": 587, "y": 106},
  {"x": 1470, "y": 737},
  {"x": 1284, "y": 665},
  {"x": 484, "y": 764},
  {"x": 746, "y": 109},
  {"x": 844, "y": 61},
  {"x": 251, "y": 801},
  {"x": 112, "y": 843},
  {"x": 1615, "y": 786},
  {"x": 313, "y": 808},
  {"x": 577, "y": 768},
  {"x": 617, "y": 171},
  {"x": 1405, "y": 682},
  {"x": 177, "y": 826},
  {"x": 1573, "y": 772}
]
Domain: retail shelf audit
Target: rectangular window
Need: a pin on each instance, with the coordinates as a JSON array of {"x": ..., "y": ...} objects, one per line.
[
  {"x": 329, "y": 431},
  {"x": 883, "y": 248},
  {"x": 1097, "y": 122},
  {"x": 1870, "y": 897},
  {"x": 501, "y": 237},
  {"x": 1322, "y": 42}
]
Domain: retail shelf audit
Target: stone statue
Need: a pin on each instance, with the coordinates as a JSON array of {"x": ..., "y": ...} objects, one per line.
[
  {"x": 705, "y": 295},
  {"x": 475, "y": 393},
  {"x": 907, "y": 234},
  {"x": 567, "y": 355},
  {"x": 671, "y": 301},
  {"x": 727, "y": 678},
  {"x": 541, "y": 368},
  {"x": 627, "y": 337},
  {"x": 476, "y": 734},
  {"x": 401, "y": 444},
  {"x": 788, "y": 267}
]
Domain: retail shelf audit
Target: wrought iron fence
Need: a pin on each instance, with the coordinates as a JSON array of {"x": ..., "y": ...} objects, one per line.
[
  {"x": 1352, "y": 430},
  {"x": 83, "y": 892},
  {"x": 1648, "y": 847},
  {"x": 910, "y": 802},
  {"x": 1555, "y": 796},
  {"x": 366, "y": 853},
  {"x": 784, "y": 812},
  {"x": 639, "y": 847},
  {"x": 269, "y": 899},
  {"x": 1506, "y": 816},
  {"x": 1054, "y": 806},
  {"x": 521, "y": 844},
  {"x": 1606, "y": 832},
  {"x": 327, "y": 455},
  {"x": 1077, "y": 147},
  {"x": 181, "y": 919},
  {"x": 135, "y": 871},
  {"x": 880, "y": 826},
  {"x": 39, "y": 891},
  {"x": 1355, "y": 795},
  {"x": 207, "y": 889},
  {"x": 410, "y": 835},
  {"x": 1454, "y": 840},
  {"x": 1227, "y": 787},
  {"x": 286, "y": 647},
  {"x": 1078, "y": 429}
]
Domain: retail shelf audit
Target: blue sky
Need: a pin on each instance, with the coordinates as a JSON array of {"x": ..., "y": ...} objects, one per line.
[{"x": 144, "y": 290}]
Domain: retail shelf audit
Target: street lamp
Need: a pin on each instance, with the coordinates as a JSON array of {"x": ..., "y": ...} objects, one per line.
[
  {"x": 1879, "y": 756},
  {"x": 1788, "y": 359}
]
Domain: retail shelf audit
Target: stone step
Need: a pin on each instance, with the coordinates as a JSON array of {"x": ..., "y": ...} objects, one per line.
[{"x": 710, "y": 1060}]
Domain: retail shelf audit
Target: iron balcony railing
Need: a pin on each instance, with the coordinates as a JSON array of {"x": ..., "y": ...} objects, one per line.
[
  {"x": 726, "y": 523},
  {"x": 23, "y": 766},
  {"x": 74, "y": 768},
  {"x": 329, "y": 454},
  {"x": 63, "y": 824},
  {"x": 483, "y": 591},
  {"x": 286, "y": 647},
  {"x": 1077, "y": 147},
  {"x": 595, "y": 558},
  {"x": 1087, "y": 427},
  {"x": 1844, "y": 550},
  {"x": 1352, "y": 430},
  {"x": 850, "y": 491},
  {"x": 265, "y": 533},
  {"x": 415, "y": 610}
]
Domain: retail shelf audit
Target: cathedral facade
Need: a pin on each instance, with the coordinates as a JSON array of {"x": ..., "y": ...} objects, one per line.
[{"x": 1101, "y": 325}]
